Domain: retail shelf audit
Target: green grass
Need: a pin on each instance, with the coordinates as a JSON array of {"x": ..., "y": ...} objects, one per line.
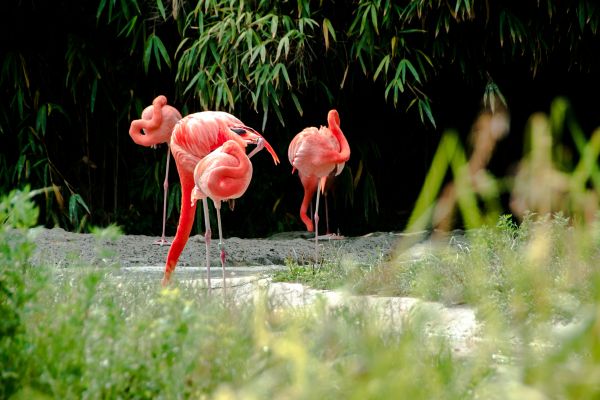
[{"x": 85, "y": 332}]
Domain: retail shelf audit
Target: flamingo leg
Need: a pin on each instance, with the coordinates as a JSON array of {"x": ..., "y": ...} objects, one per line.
[
  {"x": 163, "y": 239},
  {"x": 327, "y": 231},
  {"x": 221, "y": 244},
  {"x": 207, "y": 236},
  {"x": 317, "y": 226}
]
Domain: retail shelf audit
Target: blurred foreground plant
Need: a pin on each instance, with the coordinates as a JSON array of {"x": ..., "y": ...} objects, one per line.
[{"x": 17, "y": 214}]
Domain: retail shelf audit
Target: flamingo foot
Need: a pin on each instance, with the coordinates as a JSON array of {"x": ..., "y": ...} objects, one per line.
[
  {"x": 223, "y": 256},
  {"x": 162, "y": 241}
]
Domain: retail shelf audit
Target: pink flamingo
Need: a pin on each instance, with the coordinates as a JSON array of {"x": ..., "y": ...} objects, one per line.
[
  {"x": 315, "y": 153},
  {"x": 191, "y": 139},
  {"x": 223, "y": 174},
  {"x": 155, "y": 134}
]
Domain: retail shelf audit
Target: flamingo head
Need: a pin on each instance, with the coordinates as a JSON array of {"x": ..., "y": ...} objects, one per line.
[
  {"x": 250, "y": 136},
  {"x": 156, "y": 124},
  {"x": 333, "y": 119}
]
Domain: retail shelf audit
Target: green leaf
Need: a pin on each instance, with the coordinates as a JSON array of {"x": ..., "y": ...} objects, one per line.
[
  {"x": 161, "y": 8},
  {"x": 457, "y": 6},
  {"x": 412, "y": 70},
  {"x": 163, "y": 51},
  {"x": 274, "y": 22},
  {"x": 40, "y": 121},
  {"x": 424, "y": 107},
  {"x": 156, "y": 55},
  {"x": 285, "y": 75},
  {"x": 297, "y": 103},
  {"x": 93, "y": 94},
  {"x": 385, "y": 62},
  {"x": 100, "y": 8},
  {"x": 328, "y": 30},
  {"x": 148, "y": 53},
  {"x": 374, "y": 18},
  {"x": 283, "y": 43}
]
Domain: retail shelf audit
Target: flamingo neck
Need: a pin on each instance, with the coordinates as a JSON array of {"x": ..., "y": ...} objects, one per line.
[{"x": 334, "y": 126}]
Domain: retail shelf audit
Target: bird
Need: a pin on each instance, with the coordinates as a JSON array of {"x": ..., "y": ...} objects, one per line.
[
  {"x": 192, "y": 138},
  {"x": 151, "y": 126},
  {"x": 224, "y": 174},
  {"x": 315, "y": 153}
]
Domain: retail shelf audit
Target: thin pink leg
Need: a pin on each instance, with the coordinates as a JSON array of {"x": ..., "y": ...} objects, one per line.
[
  {"x": 317, "y": 226},
  {"x": 163, "y": 239},
  {"x": 327, "y": 232},
  {"x": 221, "y": 244},
  {"x": 207, "y": 236}
]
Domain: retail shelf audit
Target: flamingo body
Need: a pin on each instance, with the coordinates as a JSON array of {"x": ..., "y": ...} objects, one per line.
[
  {"x": 223, "y": 174},
  {"x": 316, "y": 153}
]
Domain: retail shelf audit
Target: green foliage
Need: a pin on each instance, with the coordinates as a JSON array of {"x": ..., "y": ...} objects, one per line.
[
  {"x": 17, "y": 213},
  {"x": 232, "y": 52},
  {"x": 94, "y": 332}
]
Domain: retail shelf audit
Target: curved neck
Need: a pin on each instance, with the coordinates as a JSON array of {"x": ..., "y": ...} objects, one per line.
[
  {"x": 244, "y": 165},
  {"x": 333, "y": 120}
]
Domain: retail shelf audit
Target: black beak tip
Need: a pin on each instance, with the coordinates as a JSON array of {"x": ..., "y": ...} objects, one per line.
[{"x": 238, "y": 131}]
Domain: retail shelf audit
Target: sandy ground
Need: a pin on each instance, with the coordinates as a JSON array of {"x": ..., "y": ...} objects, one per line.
[{"x": 58, "y": 247}]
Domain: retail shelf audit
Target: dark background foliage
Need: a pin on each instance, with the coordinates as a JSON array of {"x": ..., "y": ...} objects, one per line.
[{"x": 74, "y": 75}]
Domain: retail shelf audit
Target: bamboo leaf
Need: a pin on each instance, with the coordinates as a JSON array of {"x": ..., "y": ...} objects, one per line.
[
  {"x": 456, "y": 8},
  {"x": 327, "y": 31},
  {"x": 82, "y": 203},
  {"x": 374, "y": 18},
  {"x": 358, "y": 174},
  {"x": 385, "y": 62},
  {"x": 285, "y": 75},
  {"x": 297, "y": 103},
  {"x": 148, "y": 53},
  {"x": 40, "y": 122},
  {"x": 412, "y": 70},
  {"x": 93, "y": 95},
  {"x": 161, "y": 9},
  {"x": 101, "y": 7},
  {"x": 156, "y": 54},
  {"x": 425, "y": 107},
  {"x": 326, "y": 34},
  {"x": 274, "y": 22},
  {"x": 283, "y": 43}
]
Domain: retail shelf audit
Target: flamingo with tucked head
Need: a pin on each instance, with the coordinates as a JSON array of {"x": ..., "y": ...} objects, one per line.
[
  {"x": 315, "y": 153},
  {"x": 191, "y": 139},
  {"x": 157, "y": 131},
  {"x": 224, "y": 174}
]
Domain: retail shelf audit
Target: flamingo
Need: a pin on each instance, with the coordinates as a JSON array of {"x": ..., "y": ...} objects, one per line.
[
  {"x": 224, "y": 174},
  {"x": 316, "y": 153},
  {"x": 191, "y": 139},
  {"x": 157, "y": 133}
]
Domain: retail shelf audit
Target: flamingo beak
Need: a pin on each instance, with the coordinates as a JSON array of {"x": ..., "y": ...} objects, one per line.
[{"x": 253, "y": 137}]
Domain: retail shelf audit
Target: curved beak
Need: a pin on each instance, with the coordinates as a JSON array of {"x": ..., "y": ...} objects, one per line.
[{"x": 253, "y": 137}]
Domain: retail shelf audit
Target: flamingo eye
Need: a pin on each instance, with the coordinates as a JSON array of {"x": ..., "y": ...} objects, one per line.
[{"x": 239, "y": 131}]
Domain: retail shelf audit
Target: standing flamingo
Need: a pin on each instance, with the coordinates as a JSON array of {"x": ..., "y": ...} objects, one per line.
[
  {"x": 223, "y": 174},
  {"x": 192, "y": 138},
  {"x": 156, "y": 133},
  {"x": 315, "y": 153}
]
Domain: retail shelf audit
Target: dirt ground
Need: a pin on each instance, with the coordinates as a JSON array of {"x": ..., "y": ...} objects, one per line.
[{"x": 61, "y": 248}]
